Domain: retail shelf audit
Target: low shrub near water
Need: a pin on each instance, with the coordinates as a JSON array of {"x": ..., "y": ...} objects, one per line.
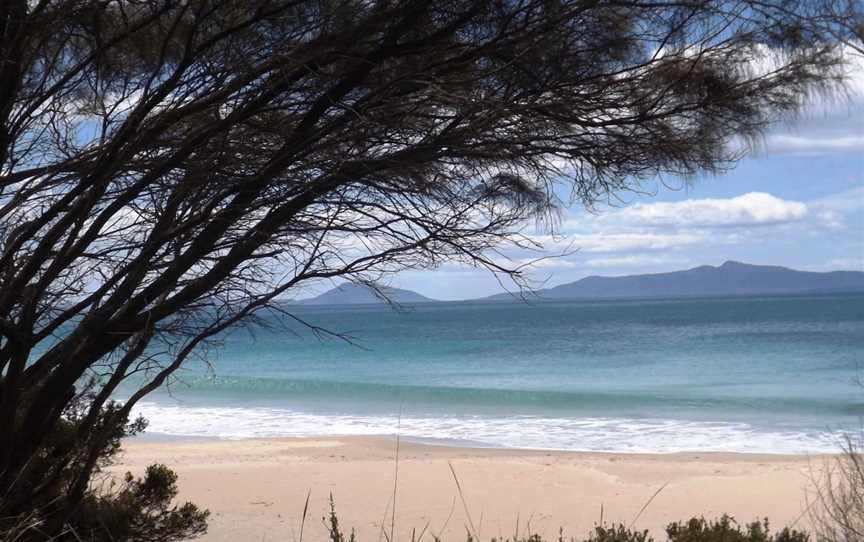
[{"x": 724, "y": 529}]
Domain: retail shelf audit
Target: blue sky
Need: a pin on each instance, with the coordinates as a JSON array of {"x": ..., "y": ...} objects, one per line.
[{"x": 797, "y": 201}]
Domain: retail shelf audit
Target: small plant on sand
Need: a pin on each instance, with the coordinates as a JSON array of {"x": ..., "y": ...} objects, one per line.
[
  {"x": 617, "y": 533},
  {"x": 724, "y": 529},
  {"x": 727, "y": 530},
  {"x": 331, "y": 523}
]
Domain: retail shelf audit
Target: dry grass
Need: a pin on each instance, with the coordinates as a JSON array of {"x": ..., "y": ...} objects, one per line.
[{"x": 837, "y": 501}]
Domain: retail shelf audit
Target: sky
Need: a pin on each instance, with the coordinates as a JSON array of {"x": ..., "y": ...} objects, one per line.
[{"x": 796, "y": 201}]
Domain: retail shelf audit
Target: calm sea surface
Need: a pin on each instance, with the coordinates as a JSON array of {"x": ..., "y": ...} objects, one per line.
[{"x": 773, "y": 374}]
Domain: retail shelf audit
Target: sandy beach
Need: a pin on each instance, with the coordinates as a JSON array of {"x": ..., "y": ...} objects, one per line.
[{"x": 256, "y": 488}]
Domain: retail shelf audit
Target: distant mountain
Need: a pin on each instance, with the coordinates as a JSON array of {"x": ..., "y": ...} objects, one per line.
[
  {"x": 729, "y": 279},
  {"x": 355, "y": 294}
]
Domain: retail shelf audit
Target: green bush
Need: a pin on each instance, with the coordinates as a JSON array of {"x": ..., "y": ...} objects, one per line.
[
  {"x": 726, "y": 530},
  {"x": 618, "y": 533},
  {"x": 140, "y": 511},
  {"x": 51, "y": 503}
]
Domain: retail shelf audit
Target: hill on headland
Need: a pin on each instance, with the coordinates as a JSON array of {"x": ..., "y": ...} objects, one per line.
[{"x": 730, "y": 279}]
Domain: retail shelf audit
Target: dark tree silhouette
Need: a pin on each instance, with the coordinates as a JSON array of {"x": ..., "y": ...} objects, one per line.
[{"x": 169, "y": 168}]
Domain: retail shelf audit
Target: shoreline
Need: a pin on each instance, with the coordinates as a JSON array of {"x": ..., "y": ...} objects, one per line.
[
  {"x": 256, "y": 488},
  {"x": 212, "y": 416},
  {"x": 456, "y": 444}
]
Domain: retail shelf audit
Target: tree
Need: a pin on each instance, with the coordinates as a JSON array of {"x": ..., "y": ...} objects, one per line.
[{"x": 168, "y": 169}]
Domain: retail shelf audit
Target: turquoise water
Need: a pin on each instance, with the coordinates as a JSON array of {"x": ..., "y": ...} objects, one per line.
[{"x": 773, "y": 374}]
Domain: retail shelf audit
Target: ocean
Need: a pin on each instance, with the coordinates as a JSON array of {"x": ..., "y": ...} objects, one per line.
[{"x": 767, "y": 374}]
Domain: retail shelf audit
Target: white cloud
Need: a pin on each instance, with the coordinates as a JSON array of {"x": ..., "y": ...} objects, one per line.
[
  {"x": 847, "y": 200},
  {"x": 852, "y": 263},
  {"x": 751, "y": 209},
  {"x": 624, "y": 241},
  {"x": 559, "y": 262},
  {"x": 699, "y": 223},
  {"x": 845, "y": 263},
  {"x": 664, "y": 234},
  {"x": 828, "y": 123},
  {"x": 616, "y": 240},
  {"x": 830, "y": 212},
  {"x": 635, "y": 260},
  {"x": 785, "y": 143}
]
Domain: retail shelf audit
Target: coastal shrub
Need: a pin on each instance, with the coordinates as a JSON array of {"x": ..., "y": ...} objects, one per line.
[
  {"x": 141, "y": 511},
  {"x": 66, "y": 492},
  {"x": 726, "y": 529},
  {"x": 696, "y": 529}
]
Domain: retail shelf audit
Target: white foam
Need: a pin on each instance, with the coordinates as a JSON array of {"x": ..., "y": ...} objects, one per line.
[{"x": 577, "y": 434}]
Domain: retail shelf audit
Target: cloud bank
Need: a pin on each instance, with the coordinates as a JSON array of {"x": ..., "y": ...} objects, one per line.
[
  {"x": 666, "y": 233},
  {"x": 751, "y": 209}
]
